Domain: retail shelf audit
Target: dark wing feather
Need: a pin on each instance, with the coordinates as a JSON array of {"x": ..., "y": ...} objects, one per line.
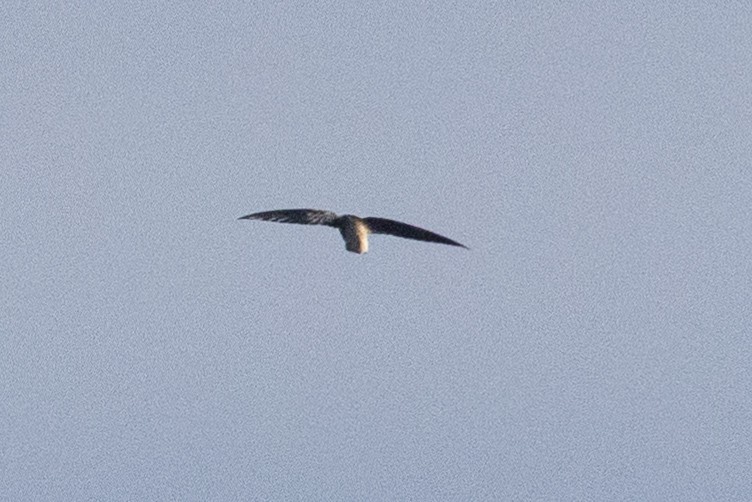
[
  {"x": 391, "y": 227},
  {"x": 300, "y": 216}
]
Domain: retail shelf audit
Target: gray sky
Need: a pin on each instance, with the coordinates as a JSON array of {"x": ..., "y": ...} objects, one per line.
[{"x": 594, "y": 344}]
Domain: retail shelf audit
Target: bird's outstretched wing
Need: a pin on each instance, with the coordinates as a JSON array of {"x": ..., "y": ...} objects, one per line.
[
  {"x": 391, "y": 227},
  {"x": 301, "y": 216}
]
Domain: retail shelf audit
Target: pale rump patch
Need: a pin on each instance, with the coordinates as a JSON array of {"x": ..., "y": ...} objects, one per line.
[{"x": 355, "y": 233}]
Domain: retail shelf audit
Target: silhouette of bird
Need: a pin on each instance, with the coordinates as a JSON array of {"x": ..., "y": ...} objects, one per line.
[{"x": 354, "y": 230}]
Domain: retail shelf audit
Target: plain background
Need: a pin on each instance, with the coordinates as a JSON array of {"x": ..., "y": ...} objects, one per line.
[{"x": 594, "y": 344}]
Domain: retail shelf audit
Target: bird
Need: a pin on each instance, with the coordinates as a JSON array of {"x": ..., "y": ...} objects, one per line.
[{"x": 354, "y": 230}]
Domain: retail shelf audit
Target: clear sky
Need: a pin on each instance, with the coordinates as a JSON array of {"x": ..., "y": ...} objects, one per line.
[{"x": 594, "y": 343}]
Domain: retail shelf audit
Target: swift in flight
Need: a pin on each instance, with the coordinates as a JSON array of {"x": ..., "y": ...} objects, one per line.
[{"x": 354, "y": 230}]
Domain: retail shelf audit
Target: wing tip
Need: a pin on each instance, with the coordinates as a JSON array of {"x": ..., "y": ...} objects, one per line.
[{"x": 455, "y": 243}]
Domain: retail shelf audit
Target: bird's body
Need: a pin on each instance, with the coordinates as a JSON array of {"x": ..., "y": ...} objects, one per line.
[
  {"x": 355, "y": 233},
  {"x": 354, "y": 229}
]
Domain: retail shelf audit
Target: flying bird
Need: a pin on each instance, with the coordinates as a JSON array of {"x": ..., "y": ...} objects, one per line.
[{"x": 354, "y": 230}]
